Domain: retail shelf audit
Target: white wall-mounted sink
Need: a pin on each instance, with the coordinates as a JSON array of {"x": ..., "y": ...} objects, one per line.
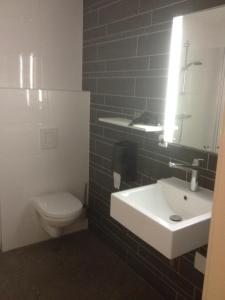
[{"x": 146, "y": 212}]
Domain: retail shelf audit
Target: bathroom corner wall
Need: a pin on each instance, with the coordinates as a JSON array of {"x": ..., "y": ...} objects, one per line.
[
  {"x": 125, "y": 61},
  {"x": 40, "y": 88}
]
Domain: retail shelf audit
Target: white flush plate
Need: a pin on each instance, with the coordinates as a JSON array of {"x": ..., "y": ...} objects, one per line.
[{"x": 48, "y": 138}]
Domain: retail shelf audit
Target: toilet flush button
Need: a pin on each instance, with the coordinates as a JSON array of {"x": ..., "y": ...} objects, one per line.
[{"x": 48, "y": 138}]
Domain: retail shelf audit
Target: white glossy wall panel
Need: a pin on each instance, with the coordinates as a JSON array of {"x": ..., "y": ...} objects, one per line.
[
  {"x": 51, "y": 31},
  {"x": 26, "y": 170}
]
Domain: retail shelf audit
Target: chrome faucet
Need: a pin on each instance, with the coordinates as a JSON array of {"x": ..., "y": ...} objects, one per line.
[{"x": 193, "y": 169}]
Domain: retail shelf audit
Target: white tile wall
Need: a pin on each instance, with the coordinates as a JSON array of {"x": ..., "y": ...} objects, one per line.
[
  {"x": 25, "y": 169},
  {"x": 40, "y": 52},
  {"x": 40, "y": 59},
  {"x": 51, "y": 31}
]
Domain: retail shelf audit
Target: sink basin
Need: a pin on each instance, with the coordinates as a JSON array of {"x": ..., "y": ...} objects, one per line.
[{"x": 166, "y": 215}]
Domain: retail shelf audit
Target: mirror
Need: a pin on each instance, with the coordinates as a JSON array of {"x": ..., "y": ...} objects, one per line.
[{"x": 195, "y": 88}]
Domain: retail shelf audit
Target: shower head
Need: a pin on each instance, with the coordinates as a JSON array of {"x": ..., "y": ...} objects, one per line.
[
  {"x": 197, "y": 63},
  {"x": 194, "y": 63}
]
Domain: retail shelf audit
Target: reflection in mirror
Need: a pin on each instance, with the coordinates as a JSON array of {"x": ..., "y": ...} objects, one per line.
[{"x": 195, "y": 88}]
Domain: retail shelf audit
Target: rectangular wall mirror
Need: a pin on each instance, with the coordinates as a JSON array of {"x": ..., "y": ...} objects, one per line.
[{"x": 195, "y": 89}]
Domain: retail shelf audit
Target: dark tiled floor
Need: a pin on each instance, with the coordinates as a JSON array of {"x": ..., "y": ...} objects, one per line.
[{"x": 78, "y": 267}]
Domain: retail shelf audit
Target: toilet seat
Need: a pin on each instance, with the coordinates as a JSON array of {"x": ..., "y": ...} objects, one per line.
[{"x": 58, "y": 206}]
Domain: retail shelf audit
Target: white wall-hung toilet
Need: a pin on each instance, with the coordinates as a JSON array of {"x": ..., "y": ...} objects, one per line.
[{"x": 57, "y": 211}]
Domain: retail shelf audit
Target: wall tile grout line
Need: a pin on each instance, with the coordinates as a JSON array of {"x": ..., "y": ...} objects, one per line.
[
  {"x": 96, "y": 42},
  {"x": 96, "y": 5},
  {"x": 120, "y": 20},
  {"x": 125, "y": 76},
  {"x": 122, "y": 58}
]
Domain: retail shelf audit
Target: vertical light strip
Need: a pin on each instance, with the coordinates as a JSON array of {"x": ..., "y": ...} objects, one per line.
[
  {"x": 40, "y": 96},
  {"x": 31, "y": 71},
  {"x": 28, "y": 97},
  {"x": 173, "y": 79},
  {"x": 21, "y": 71}
]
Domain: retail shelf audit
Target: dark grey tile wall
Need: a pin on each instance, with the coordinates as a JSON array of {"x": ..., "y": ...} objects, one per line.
[{"x": 125, "y": 64}]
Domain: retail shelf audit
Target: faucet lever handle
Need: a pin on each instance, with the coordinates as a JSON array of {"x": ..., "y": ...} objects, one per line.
[
  {"x": 196, "y": 162},
  {"x": 171, "y": 164}
]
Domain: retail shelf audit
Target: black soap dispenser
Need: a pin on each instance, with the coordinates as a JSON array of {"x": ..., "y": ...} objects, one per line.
[{"x": 124, "y": 162}]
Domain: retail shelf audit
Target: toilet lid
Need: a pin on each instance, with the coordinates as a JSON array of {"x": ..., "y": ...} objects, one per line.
[{"x": 58, "y": 205}]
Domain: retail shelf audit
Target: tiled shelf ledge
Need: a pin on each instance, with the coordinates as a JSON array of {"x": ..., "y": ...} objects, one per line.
[{"x": 125, "y": 123}]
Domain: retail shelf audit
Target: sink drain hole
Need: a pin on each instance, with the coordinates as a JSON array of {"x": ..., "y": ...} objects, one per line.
[{"x": 176, "y": 218}]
